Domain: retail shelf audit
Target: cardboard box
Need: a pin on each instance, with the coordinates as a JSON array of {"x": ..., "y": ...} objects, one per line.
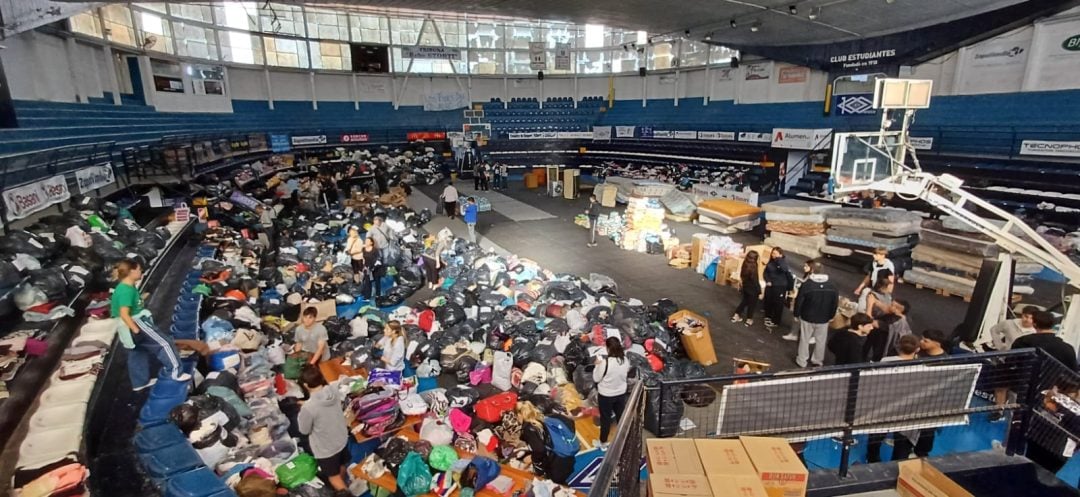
[
  {"x": 698, "y": 343},
  {"x": 675, "y": 469},
  {"x": 778, "y": 467},
  {"x": 725, "y": 458},
  {"x": 727, "y": 271},
  {"x": 919, "y": 478},
  {"x": 736, "y": 486},
  {"x": 697, "y": 247},
  {"x": 326, "y": 309},
  {"x": 607, "y": 195}
]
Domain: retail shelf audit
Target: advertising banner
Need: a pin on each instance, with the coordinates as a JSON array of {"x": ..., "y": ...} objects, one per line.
[
  {"x": 1056, "y": 55},
  {"x": 562, "y": 56},
  {"x": 537, "y": 56},
  {"x": 354, "y": 138},
  {"x": 601, "y": 132},
  {"x": 435, "y": 53},
  {"x": 624, "y": 131},
  {"x": 754, "y": 137},
  {"x": 855, "y": 104},
  {"x": 309, "y": 140},
  {"x": 534, "y": 135},
  {"x": 425, "y": 135},
  {"x": 279, "y": 143},
  {"x": 1051, "y": 148},
  {"x": 800, "y": 139},
  {"x": 646, "y": 131},
  {"x": 577, "y": 135},
  {"x": 685, "y": 135},
  {"x": 28, "y": 199},
  {"x": 757, "y": 72},
  {"x": 92, "y": 178},
  {"x": 716, "y": 135},
  {"x": 446, "y": 100},
  {"x": 996, "y": 65},
  {"x": 663, "y": 134},
  {"x": 790, "y": 75},
  {"x": 921, "y": 143}
]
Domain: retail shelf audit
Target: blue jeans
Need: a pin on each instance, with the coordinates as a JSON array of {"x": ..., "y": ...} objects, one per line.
[{"x": 150, "y": 342}]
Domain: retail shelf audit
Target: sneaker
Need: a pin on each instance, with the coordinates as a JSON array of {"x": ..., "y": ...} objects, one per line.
[
  {"x": 749, "y": 323},
  {"x": 184, "y": 377},
  {"x": 791, "y": 337},
  {"x": 604, "y": 446},
  {"x": 153, "y": 381},
  {"x": 769, "y": 323},
  {"x": 736, "y": 319}
]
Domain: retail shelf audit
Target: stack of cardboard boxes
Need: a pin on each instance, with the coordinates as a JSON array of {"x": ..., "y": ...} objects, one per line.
[
  {"x": 747, "y": 467},
  {"x": 728, "y": 272}
]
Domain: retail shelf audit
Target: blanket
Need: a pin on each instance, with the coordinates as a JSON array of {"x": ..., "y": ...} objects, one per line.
[{"x": 795, "y": 228}]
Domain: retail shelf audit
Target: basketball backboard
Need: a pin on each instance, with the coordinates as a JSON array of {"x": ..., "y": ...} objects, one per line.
[{"x": 861, "y": 159}]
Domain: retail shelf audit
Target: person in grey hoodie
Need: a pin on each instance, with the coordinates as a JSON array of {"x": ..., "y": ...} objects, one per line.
[
  {"x": 322, "y": 420},
  {"x": 593, "y": 211},
  {"x": 815, "y": 306}
]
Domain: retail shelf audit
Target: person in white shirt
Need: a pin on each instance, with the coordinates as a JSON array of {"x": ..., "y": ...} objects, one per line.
[
  {"x": 1006, "y": 332},
  {"x": 881, "y": 265},
  {"x": 610, "y": 375},
  {"x": 393, "y": 346},
  {"x": 450, "y": 198}
]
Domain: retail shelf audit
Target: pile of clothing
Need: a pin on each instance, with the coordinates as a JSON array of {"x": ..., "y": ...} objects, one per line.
[
  {"x": 950, "y": 255},
  {"x": 797, "y": 226},
  {"x": 854, "y": 234}
]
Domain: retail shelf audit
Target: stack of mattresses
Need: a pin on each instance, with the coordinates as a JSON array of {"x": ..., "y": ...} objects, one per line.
[
  {"x": 797, "y": 226},
  {"x": 949, "y": 259},
  {"x": 728, "y": 216},
  {"x": 679, "y": 205},
  {"x": 854, "y": 234}
]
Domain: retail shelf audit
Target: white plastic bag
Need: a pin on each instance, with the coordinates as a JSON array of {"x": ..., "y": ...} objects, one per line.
[{"x": 501, "y": 370}]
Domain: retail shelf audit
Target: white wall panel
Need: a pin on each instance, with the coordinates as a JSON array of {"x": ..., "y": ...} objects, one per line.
[
  {"x": 333, "y": 87},
  {"x": 1054, "y": 63},
  {"x": 374, "y": 88},
  {"x": 290, "y": 85},
  {"x": 247, "y": 84}
]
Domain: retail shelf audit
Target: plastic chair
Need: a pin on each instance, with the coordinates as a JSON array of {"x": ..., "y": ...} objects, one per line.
[
  {"x": 201, "y": 482},
  {"x": 156, "y": 437},
  {"x": 170, "y": 461},
  {"x": 156, "y": 409}
]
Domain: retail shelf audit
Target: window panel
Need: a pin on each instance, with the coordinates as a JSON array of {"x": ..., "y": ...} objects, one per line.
[
  {"x": 693, "y": 54},
  {"x": 156, "y": 7},
  {"x": 242, "y": 48},
  {"x": 661, "y": 55},
  {"x": 195, "y": 41},
  {"x": 624, "y": 60},
  {"x": 238, "y": 15},
  {"x": 285, "y": 52},
  {"x": 406, "y": 30},
  {"x": 592, "y": 62},
  {"x": 485, "y": 35},
  {"x": 86, "y": 23},
  {"x": 201, "y": 13},
  {"x": 282, "y": 19},
  {"x": 519, "y": 35},
  {"x": 370, "y": 29},
  {"x": 722, "y": 54},
  {"x": 330, "y": 55},
  {"x": 518, "y": 63},
  {"x": 327, "y": 24},
  {"x": 595, "y": 35},
  {"x": 157, "y": 35},
  {"x": 486, "y": 62},
  {"x": 453, "y": 33},
  {"x": 118, "y": 24},
  {"x": 557, "y": 32}
]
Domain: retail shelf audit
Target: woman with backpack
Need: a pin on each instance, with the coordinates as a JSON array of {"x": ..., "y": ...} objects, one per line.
[
  {"x": 610, "y": 374},
  {"x": 778, "y": 282},
  {"x": 751, "y": 289}
]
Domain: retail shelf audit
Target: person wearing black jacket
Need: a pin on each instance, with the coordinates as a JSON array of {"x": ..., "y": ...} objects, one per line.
[
  {"x": 546, "y": 463},
  {"x": 778, "y": 282},
  {"x": 847, "y": 345},
  {"x": 815, "y": 306},
  {"x": 751, "y": 289},
  {"x": 593, "y": 211}
]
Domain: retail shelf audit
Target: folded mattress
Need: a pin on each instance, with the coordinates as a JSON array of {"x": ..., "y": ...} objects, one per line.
[
  {"x": 890, "y": 244},
  {"x": 725, "y": 211},
  {"x": 872, "y": 235},
  {"x": 940, "y": 281},
  {"x": 795, "y": 228},
  {"x": 958, "y": 261},
  {"x": 796, "y": 206}
]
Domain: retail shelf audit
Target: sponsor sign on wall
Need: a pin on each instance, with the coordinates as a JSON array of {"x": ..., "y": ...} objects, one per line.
[
  {"x": 28, "y": 199},
  {"x": 996, "y": 65},
  {"x": 537, "y": 56},
  {"x": 624, "y": 131},
  {"x": 789, "y": 75},
  {"x": 856, "y": 104},
  {"x": 921, "y": 143},
  {"x": 725, "y": 74},
  {"x": 663, "y": 134},
  {"x": 425, "y": 135},
  {"x": 800, "y": 139},
  {"x": 754, "y": 137},
  {"x": 1052, "y": 148},
  {"x": 716, "y": 135},
  {"x": 562, "y": 56},
  {"x": 646, "y": 131},
  {"x": 446, "y": 100},
  {"x": 574, "y": 135},
  {"x": 279, "y": 143},
  {"x": 309, "y": 140},
  {"x": 759, "y": 71},
  {"x": 436, "y": 53},
  {"x": 859, "y": 60},
  {"x": 601, "y": 132},
  {"x": 92, "y": 178},
  {"x": 354, "y": 138},
  {"x": 685, "y": 135},
  {"x": 534, "y": 135},
  {"x": 1057, "y": 55},
  {"x": 703, "y": 191}
]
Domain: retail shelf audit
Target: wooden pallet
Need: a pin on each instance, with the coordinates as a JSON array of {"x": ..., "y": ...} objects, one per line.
[{"x": 943, "y": 293}]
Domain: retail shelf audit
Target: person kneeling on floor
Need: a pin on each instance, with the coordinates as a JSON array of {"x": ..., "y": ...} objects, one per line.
[{"x": 321, "y": 420}]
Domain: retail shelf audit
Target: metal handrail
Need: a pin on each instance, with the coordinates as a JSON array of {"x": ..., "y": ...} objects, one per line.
[{"x": 632, "y": 414}]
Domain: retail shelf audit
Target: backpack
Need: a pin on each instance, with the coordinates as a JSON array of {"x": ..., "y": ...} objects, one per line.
[{"x": 561, "y": 440}]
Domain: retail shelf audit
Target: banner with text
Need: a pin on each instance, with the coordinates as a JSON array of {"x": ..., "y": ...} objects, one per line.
[
  {"x": 716, "y": 135},
  {"x": 1051, "y": 148},
  {"x": 746, "y": 136},
  {"x": 534, "y": 135},
  {"x": 309, "y": 140},
  {"x": 646, "y": 131},
  {"x": 425, "y": 135},
  {"x": 704, "y": 191},
  {"x": 92, "y": 178},
  {"x": 279, "y": 143},
  {"x": 537, "y": 56},
  {"x": 663, "y": 134},
  {"x": 601, "y": 132},
  {"x": 685, "y": 135},
  {"x": 1056, "y": 54},
  {"x": 435, "y": 53},
  {"x": 28, "y": 199},
  {"x": 758, "y": 72},
  {"x": 562, "y": 56},
  {"x": 446, "y": 100},
  {"x": 576, "y": 135},
  {"x": 996, "y": 65},
  {"x": 801, "y": 139},
  {"x": 624, "y": 131},
  {"x": 789, "y": 75},
  {"x": 354, "y": 138},
  {"x": 921, "y": 143}
]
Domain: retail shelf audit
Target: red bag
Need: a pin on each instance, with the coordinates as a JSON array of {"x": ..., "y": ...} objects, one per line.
[
  {"x": 492, "y": 408},
  {"x": 426, "y": 320}
]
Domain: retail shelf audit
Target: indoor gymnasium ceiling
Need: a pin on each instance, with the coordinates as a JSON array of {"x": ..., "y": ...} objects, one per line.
[{"x": 834, "y": 20}]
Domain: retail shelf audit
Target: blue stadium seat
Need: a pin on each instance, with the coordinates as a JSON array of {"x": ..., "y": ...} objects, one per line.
[
  {"x": 156, "y": 409},
  {"x": 156, "y": 437},
  {"x": 201, "y": 482},
  {"x": 170, "y": 461}
]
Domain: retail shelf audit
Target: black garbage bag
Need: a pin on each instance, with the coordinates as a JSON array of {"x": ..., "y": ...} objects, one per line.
[
  {"x": 82, "y": 202},
  {"x": 662, "y": 309},
  {"x": 663, "y": 411},
  {"x": 697, "y": 395},
  {"x": 337, "y": 330},
  {"x": 583, "y": 380},
  {"x": 9, "y": 275},
  {"x": 393, "y": 452},
  {"x": 598, "y": 314},
  {"x": 542, "y": 402},
  {"x": 403, "y": 291},
  {"x": 563, "y": 291},
  {"x": 209, "y": 405},
  {"x": 521, "y": 351},
  {"x": 462, "y": 396},
  {"x": 526, "y": 328},
  {"x": 348, "y": 346},
  {"x": 543, "y": 353},
  {"x": 24, "y": 242},
  {"x": 413, "y": 333},
  {"x": 450, "y": 314},
  {"x": 424, "y": 216},
  {"x": 691, "y": 369},
  {"x": 50, "y": 280},
  {"x": 576, "y": 354},
  {"x": 410, "y": 275}
]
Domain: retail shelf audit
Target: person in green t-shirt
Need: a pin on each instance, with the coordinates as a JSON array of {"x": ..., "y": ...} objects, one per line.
[{"x": 147, "y": 339}]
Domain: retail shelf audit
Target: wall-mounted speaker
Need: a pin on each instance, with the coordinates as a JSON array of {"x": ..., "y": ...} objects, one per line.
[
  {"x": 641, "y": 71},
  {"x": 734, "y": 62},
  {"x": 540, "y": 75}
]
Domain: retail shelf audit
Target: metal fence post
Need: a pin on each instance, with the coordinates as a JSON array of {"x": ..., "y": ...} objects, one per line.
[{"x": 847, "y": 439}]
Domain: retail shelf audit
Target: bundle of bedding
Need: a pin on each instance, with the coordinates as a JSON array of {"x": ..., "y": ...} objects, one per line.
[{"x": 797, "y": 225}]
